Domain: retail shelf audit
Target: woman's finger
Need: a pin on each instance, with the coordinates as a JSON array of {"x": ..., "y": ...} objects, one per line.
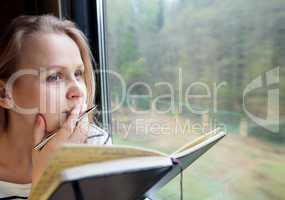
[
  {"x": 70, "y": 123},
  {"x": 80, "y": 133},
  {"x": 38, "y": 130}
]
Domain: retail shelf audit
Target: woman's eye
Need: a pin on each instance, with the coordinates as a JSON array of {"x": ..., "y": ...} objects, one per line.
[
  {"x": 79, "y": 73},
  {"x": 54, "y": 77}
]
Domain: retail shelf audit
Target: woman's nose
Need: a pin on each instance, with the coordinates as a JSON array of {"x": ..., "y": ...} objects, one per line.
[{"x": 74, "y": 92}]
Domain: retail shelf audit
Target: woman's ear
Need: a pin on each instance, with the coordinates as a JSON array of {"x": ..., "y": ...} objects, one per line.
[{"x": 5, "y": 99}]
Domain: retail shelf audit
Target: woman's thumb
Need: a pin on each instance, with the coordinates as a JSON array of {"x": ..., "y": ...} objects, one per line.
[{"x": 39, "y": 129}]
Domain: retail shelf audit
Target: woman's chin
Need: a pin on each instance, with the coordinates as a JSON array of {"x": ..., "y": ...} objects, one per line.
[{"x": 55, "y": 122}]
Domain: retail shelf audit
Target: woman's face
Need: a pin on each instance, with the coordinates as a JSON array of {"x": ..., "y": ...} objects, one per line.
[{"x": 59, "y": 84}]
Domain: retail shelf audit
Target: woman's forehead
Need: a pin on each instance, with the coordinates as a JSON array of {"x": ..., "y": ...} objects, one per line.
[
  {"x": 50, "y": 50},
  {"x": 64, "y": 67}
]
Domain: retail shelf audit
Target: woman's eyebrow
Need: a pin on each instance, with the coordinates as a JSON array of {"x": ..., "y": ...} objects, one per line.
[{"x": 79, "y": 66}]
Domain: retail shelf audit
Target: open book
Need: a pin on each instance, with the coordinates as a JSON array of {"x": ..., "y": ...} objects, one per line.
[{"x": 80, "y": 171}]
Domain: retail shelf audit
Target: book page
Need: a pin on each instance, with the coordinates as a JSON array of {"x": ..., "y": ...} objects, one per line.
[
  {"x": 71, "y": 155},
  {"x": 186, "y": 155},
  {"x": 197, "y": 141}
]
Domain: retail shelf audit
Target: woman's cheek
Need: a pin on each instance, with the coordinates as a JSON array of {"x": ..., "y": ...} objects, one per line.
[
  {"x": 84, "y": 89},
  {"x": 25, "y": 93},
  {"x": 51, "y": 106},
  {"x": 51, "y": 99}
]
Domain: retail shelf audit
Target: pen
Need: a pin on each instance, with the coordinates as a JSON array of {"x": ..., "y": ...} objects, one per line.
[{"x": 39, "y": 146}]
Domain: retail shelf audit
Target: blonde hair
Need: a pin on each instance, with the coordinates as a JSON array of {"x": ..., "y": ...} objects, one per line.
[{"x": 23, "y": 26}]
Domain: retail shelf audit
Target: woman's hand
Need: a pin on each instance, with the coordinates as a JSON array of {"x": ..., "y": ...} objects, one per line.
[{"x": 68, "y": 133}]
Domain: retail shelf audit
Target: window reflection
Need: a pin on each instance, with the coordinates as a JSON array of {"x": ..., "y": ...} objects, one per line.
[{"x": 182, "y": 67}]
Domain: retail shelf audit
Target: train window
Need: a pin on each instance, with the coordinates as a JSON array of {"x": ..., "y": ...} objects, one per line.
[{"x": 179, "y": 68}]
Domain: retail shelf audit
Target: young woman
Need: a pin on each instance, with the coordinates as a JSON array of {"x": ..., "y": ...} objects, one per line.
[{"x": 46, "y": 82}]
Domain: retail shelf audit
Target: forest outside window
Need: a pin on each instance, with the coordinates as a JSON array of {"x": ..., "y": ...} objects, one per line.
[{"x": 179, "y": 68}]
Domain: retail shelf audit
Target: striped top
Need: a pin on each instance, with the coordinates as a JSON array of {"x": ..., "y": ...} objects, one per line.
[{"x": 14, "y": 191}]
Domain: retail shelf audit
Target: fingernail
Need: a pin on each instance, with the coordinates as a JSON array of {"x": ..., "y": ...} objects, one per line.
[
  {"x": 78, "y": 108},
  {"x": 39, "y": 120},
  {"x": 84, "y": 106}
]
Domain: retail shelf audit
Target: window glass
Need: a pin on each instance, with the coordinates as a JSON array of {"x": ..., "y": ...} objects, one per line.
[{"x": 179, "y": 68}]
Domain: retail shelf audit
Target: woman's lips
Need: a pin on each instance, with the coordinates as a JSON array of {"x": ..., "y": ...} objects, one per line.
[{"x": 68, "y": 112}]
